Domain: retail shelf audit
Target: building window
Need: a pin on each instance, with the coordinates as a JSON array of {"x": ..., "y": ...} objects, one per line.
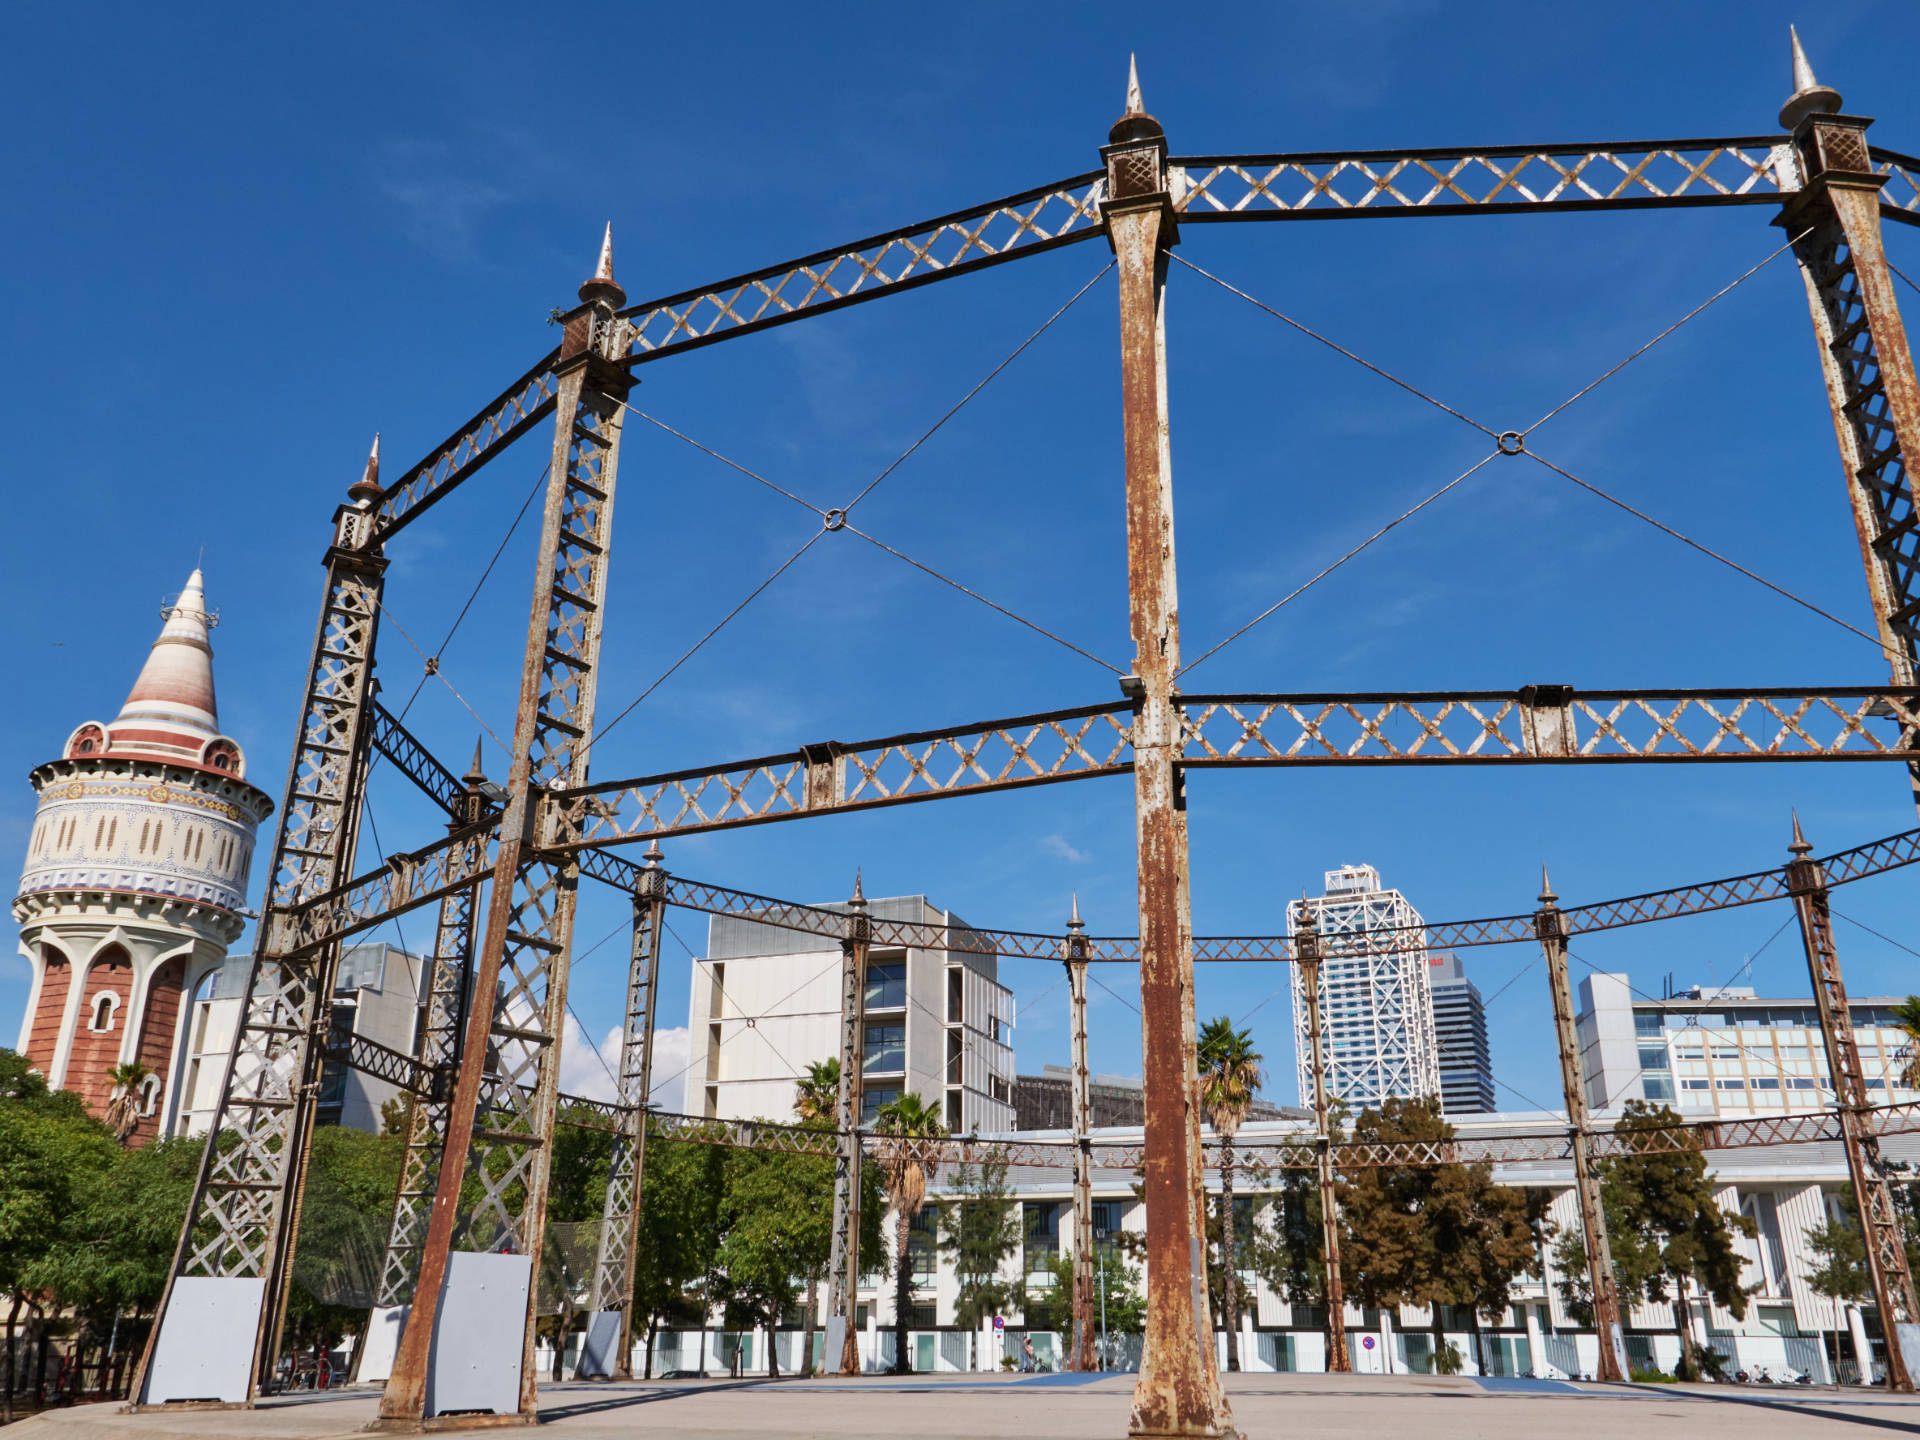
[
  {"x": 1731, "y": 1084},
  {"x": 886, "y": 1047},
  {"x": 1766, "y": 1083},
  {"x": 875, "y": 1099},
  {"x": 887, "y": 985},
  {"x": 104, "y": 1004},
  {"x": 1696, "y": 1084},
  {"x": 149, "y": 1094}
]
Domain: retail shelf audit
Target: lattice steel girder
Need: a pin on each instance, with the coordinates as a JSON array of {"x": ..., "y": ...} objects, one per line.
[
  {"x": 1900, "y": 197},
  {"x": 504, "y": 419},
  {"x": 242, "y": 1218},
  {"x": 1539, "y": 724},
  {"x": 501, "y": 1116},
  {"x": 1478, "y": 180},
  {"x": 412, "y": 759},
  {"x": 406, "y": 882}
]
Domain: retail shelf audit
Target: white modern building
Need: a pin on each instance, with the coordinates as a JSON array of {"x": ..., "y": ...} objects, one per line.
[
  {"x": 375, "y": 994},
  {"x": 1376, "y": 1009},
  {"x": 1787, "y": 1190},
  {"x": 765, "y": 1005},
  {"x": 1726, "y": 1050}
]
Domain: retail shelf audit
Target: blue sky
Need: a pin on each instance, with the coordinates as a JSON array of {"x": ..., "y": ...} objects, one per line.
[{"x": 245, "y": 239}]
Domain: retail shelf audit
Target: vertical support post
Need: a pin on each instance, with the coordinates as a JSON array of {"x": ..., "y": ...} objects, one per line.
[
  {"x": 1306, "y": 954},
  {"x": 1083, "y": 1242},
  {"x": 1179, "y": 1391},
  {"x": 236, "y": 1243},
  {"x": 1834, "y": 218},
  {"x": 1550, "y": 926},
  {"x": 843, "y": 1264},
  {"x": 500, "y": 1120},
  {"x": 1893, "y": 1291},
  {"x": 442, "y": 1017},
  {"x": 620, "y": 1221}
]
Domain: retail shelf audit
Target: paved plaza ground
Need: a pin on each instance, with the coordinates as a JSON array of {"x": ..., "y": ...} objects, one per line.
[{"x": 1337, "y": 1407}]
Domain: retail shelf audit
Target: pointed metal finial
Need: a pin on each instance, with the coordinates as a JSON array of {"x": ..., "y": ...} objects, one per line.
[
  {"x": 653, "y": 854},
  {"x": 604, "y": 271},
  {"x": 475, "y": 772},
  {"x": 859, "y": 901},
  {"x": 1547, "y": 897},
  {"x": 1136, "y": 125},
  {"x": 1809, "y": 96},
  {"x": 1799, "y": 845},
  {"x": 1074, "y": 922},
  {"x": 367, "y": 488},
  {"x": 1135, "y": 105},
  {"x": 603, "y": 286}
]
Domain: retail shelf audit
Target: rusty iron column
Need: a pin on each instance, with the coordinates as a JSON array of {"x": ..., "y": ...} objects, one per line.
[
  {"x": 500, "y": 1119},
  {"x": 1834, "y": 216},
  {"x": 626, "y": 1171},
  {"x": 1306, "y": 954},
  {"x": 1893, "y": 1292},
  {"x": 1550, "y": 925},
  {"x": 442, "y": 1018},
  {"x": 1084, "y": 1304},
  {"x": 234, "y": 1257},
  {"x": 1178, "y": 1392},
  {"x": 843, "y": 1264}
]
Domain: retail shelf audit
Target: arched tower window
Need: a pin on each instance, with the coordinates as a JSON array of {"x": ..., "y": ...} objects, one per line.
[
  {"x": 104, "y": 1006},
  {"x": 149, "y": 1094}
]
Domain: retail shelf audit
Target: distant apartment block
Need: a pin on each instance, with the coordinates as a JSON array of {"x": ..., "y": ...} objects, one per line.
[
  {"x": 1045, "y": 1101},
  {"x": 765, "y": 1005},
  {"x": 1726, "y": 1050},
  {"x": 1376, "y": 1009},
  {"x": 1460, "y": 1031}
]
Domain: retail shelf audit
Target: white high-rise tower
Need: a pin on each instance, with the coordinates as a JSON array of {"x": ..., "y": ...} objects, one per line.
[{"x": 1376, "y": 1009}]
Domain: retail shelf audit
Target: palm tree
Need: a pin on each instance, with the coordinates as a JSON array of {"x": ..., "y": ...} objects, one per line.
[
  {"x": 908, "y": 1118},
  {"x": 1229, "y": 1076},
  {"x": 1906, "y": 1019},
  {"x": 816, "y": 1101},
  {"x": 123, "y": 1110},
  {"x": 817, "y": 1093}
]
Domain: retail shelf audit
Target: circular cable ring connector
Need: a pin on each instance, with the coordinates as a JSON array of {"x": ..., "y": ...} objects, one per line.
[
  {"x": 836, "y": 520},
  {"x": 1511, "y": 442}
]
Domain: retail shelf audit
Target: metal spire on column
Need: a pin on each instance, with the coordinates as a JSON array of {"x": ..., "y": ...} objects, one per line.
[
  {"x": 1834, "y": 218},
  {"x": 1306, "y": 954},
  {"x": 230, "y": 1270},
  {"x": 1076, "y": 954},
  {"x": 1550, "y": 925},
  {"x": 1887, "y": 1270},
  {"x": 1178, "y": 1392},
  {"x": 608, "y": 1348},
  {"x": 500, "y": 1119},
  {"x": 843, "y": 1263}
]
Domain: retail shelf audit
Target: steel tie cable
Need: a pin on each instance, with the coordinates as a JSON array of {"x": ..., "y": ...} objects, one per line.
[
  {"x": 1900, "y": 945},
  {"x": 1313, "y": 334},
  {"x": 1302, "y": 589},
  {"x": 991, "y": 605},
  {"x": 724, "y": 460},
  {"x": 1780, "y": 590},
  {"x": 1724, "y": 290},
  {"x": 991, "y": 375}
]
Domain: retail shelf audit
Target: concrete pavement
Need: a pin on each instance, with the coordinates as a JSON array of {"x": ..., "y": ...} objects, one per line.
[{"x": 1064, "y": 1407}]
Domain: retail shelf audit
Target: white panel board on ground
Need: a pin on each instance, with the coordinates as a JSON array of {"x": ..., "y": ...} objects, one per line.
[
  {"x": 599, "y": 1347},
  {"x": 205, "y": 1348},
  {"x": 382, "y": 1344},
  {"x": 836, "y": 1344},
  {"x": 479, "y": 1335}
]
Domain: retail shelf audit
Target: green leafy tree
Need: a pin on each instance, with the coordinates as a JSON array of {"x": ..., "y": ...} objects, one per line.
[
  {"x": 1841, "y": 1276},
  {"x": 981, "y": 1229},
  {"x": 679, "y": 1235},
  {"x": 817, "y": 1093},
  {"x": 123, "y": 1110},
  {"x": 776, "y": 1224},
  {"x": 1051, "y": 1307},
  {"x": 1906, "y": 1019},
  {"x": 1667, "y": 1231},
  {"x": 1430, "y": 1235},
  {"x": 905, "y": 1119},
  {"x": 1229, "y": 1079}
]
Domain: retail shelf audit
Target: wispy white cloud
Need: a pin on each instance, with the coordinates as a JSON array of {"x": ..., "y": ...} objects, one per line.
[
  {"x": 439, "y": 209},
  {"x": 587, "y": 1069},
  {"x": 1059, "y": 845}
]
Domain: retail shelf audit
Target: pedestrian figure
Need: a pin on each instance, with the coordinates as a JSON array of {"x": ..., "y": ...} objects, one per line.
[{"x": 1026, "y": 1345}]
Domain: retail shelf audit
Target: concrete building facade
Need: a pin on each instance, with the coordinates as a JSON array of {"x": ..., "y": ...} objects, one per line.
[
  {"x": 765, "y": 1005},
  {"x": 1726, "y": 1050},
  {"x": 135, "y": 878},
  {"x": 1376, "y": 1009}
]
